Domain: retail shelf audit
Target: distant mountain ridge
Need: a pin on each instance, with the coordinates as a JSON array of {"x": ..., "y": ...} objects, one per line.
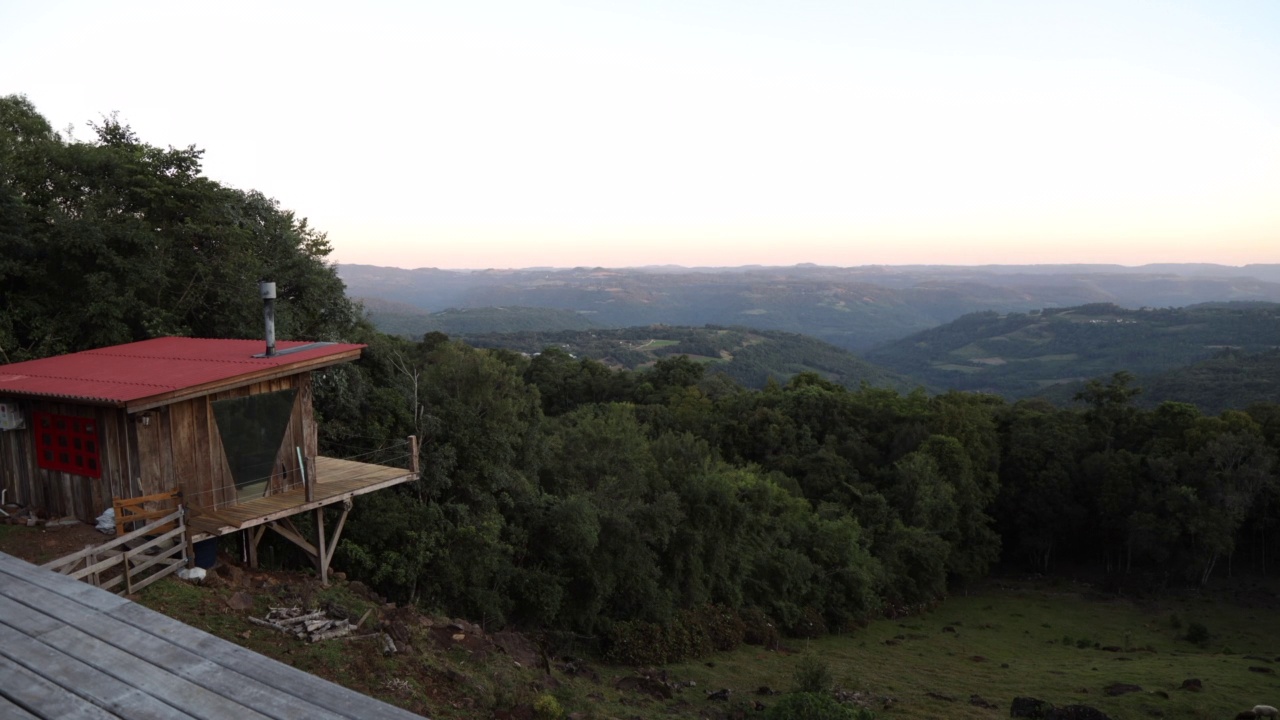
[
  {"x": 1021, "y": 354},
  {"x": 409, "y": 321},
  {"x": 856, "y": 308}
]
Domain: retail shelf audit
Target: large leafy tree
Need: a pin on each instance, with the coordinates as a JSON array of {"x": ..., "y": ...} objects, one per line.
[{"x": 114, "y": 240}]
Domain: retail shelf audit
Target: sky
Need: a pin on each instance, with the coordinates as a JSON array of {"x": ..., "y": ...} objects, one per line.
[{"x": 498, "y": 134}]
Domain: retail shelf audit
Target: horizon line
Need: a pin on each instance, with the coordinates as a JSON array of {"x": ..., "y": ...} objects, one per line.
[{"x": 806, "y": 265}]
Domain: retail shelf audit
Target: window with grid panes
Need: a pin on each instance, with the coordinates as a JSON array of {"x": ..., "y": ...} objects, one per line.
[{"x": 67, "y": 443}]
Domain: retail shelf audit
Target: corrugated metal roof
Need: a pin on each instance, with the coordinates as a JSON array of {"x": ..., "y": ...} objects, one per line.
[{"x": 126, "y": 374}]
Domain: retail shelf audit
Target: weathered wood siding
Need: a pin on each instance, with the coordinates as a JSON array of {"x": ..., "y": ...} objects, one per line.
[
  {"x": 170, "y": 447},
  {"x": 63, "y": 493},
  {"x": 188, "y": 450}
]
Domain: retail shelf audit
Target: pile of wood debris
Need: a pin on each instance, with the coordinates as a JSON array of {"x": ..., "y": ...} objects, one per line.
[{"x": 312, "y": 626}]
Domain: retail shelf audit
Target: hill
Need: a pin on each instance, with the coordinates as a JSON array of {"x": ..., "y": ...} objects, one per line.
[
  {"x": 397, "y": 318},
  {"x": 855, "y": 308},
  {"x": 749, "y": 357},
  {"x": 1229, "y": 380},
  {"x": 1021, "y": 354}
]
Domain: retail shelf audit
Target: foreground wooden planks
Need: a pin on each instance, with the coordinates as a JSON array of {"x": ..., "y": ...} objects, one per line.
[
  {"x": 25, "y": 689},
  {"x": 68, "y": 653}
]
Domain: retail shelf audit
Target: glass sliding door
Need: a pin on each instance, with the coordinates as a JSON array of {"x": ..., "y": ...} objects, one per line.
[{"x": 252, "y": 430}]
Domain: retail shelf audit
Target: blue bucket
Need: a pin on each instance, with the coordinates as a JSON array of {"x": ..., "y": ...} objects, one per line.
[{"x": 207, "y": 553}]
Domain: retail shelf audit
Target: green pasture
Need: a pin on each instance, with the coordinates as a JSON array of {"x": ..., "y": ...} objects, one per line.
[
  {"x": 1005, "y": 641},
  {"x": 1057, "y": 641}
]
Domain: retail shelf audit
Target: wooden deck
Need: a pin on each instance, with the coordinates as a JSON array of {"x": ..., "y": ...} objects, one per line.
[
  {"x": 336, "y": 480},
  {"x": 69, "y": 650}
]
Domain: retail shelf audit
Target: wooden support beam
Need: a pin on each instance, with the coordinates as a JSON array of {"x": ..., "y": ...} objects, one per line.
[
  {"x": 291, "y": 534},
  {"x": 337, "y": 532},
  {"x": 322, "y": 557},
  {"x": 253, "y": 536}
]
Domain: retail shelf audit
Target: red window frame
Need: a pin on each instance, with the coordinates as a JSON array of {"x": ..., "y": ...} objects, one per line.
[{"x": 67, "y": 443}]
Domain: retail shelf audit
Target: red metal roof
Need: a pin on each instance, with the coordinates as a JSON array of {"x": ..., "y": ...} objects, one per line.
[{"x": 130, "y": 374}]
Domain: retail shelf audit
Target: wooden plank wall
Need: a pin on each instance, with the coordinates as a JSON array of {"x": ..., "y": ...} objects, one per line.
[
  {"x": 63, "y": 493},
  {"x": 199, "y": 460},
  {"x": 176, "y": 446}
]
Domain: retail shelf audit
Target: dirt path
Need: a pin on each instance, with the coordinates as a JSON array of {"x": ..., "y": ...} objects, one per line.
[{"x": 39, "y": 545}]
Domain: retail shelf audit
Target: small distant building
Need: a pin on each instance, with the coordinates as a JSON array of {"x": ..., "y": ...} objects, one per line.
[{"x": 229, "y": 426}]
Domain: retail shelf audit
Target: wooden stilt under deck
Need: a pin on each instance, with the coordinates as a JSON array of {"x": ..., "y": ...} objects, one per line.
[
  {"x": 336, "y": 481},
  {"x": 320, "y": 556}
]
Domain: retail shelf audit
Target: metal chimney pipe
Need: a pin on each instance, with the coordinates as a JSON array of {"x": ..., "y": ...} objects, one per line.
[{"x": 268, "y": 292}]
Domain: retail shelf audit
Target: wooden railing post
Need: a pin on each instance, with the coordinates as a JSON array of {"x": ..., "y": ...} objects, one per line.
[
  {"x": 413, "y": 454},
  {"x": 128, "y": 572},
  {"x": 308, "y": 482},
  {"x": 189, "y": 552}
]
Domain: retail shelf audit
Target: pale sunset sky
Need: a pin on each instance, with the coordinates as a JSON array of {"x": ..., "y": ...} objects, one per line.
[{"x": 484, "y": 133}]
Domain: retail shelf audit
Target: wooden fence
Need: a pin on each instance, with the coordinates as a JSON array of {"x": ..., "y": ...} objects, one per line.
[
  {"x": 116, "y": 566},
  {"x": 132, "y": 511}
]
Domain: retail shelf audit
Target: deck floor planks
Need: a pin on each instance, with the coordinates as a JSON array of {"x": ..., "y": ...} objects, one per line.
[
  {"x": 9, "y": 711},
  {"x": 44, "y": 699},
  {"x": 82, "y": 679},
  {"x": 181, "y": 662},
  {"x": 32, "y": 623},
  {"x": 127, "y": 661},
  {"x": 154, "y": 680},
  {"x": 336, "y": 480}
]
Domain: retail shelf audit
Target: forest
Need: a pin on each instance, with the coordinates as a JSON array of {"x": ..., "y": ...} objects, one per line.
[{"x": 652, "y": 514}]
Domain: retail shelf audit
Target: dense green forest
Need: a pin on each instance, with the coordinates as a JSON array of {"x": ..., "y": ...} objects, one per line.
[
  {"x": 560, "y": 493},
  {"x": 749, "y": 357},
  {"x": 639, "y": 511}
]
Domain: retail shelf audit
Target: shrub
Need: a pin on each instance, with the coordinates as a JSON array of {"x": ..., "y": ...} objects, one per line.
[
  {"x": 642, "y": 643},
  {"x": 695, "y": 633},
  {"x": 1197, "y": 633},
  {"x": 809, "y": 625},
  {"x": 759, "y": 629},
  {"x": 813, "y": 675},
  {"x": 721, "y": 626},
  {"x": 814, "y": 706},
  {"x": 546, "y": 707}
]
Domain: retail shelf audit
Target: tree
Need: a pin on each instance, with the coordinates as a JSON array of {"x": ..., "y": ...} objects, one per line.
[
  {"x": 138, "y": 244},
  {"x": 1110, "y": 412},
  {"x": 1037, "y": 507}
]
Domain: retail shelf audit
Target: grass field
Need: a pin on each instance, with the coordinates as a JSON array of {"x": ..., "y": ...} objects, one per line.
[
  {"x": 1037, "y": 640},
  {"x": 1054, "y": 640}
]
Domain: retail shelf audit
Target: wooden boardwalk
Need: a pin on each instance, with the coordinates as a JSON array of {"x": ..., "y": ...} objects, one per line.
[
  {"x": 69, "y": 651},
  {"x": 336, "y": 481}
]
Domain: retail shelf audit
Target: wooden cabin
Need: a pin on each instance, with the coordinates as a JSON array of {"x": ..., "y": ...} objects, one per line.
[{"x": 220, "y": 420}]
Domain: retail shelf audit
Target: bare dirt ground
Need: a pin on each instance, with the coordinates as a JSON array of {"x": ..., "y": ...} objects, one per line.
[{"x": 39, "y": 545}]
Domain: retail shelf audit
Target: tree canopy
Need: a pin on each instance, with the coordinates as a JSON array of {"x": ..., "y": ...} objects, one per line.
[{"x": 113, "y": 240}]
